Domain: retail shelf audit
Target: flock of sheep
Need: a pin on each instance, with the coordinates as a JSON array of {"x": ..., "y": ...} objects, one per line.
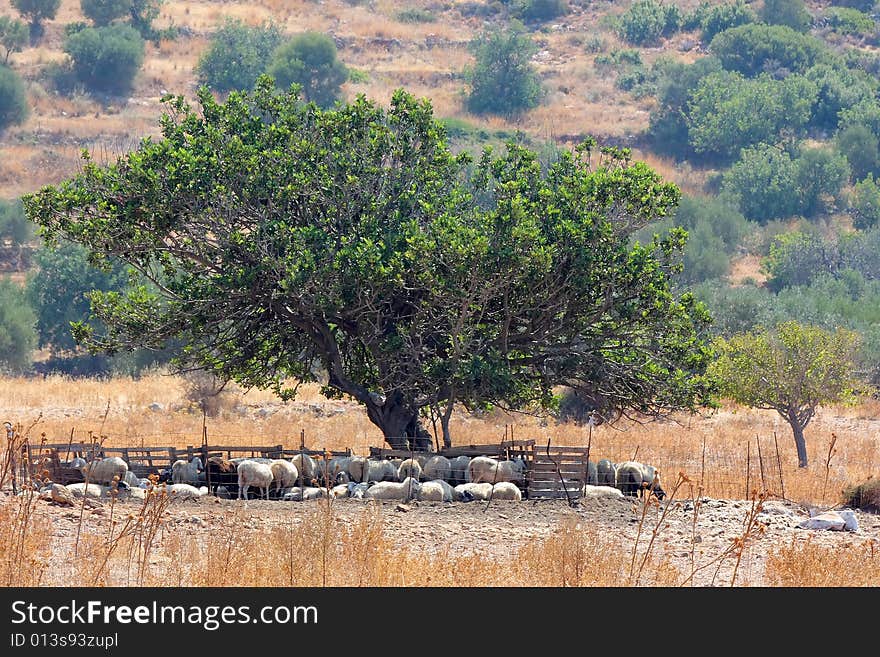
[{"x": 424, "y": 477}]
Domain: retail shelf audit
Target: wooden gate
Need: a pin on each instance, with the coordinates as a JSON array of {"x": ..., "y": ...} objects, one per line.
[{"x": 558, "y": 472}]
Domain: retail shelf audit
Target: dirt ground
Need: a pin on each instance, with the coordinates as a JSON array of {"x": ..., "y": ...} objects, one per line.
[{"x": 498, "y": 528}]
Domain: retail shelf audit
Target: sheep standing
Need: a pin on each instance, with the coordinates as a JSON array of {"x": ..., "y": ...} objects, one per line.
[
  {"x": 592, "y": 474},
  {"x": 251, "y": 473},
  {"x": 437, "y": 467},
  {"x": 187, "y": 473},
  {"x": 607, "y": 473},
  {"x": 381, "y": 470},
  {"x": 484, "y": 469},
  {"x": 306, "y": 466},
  {"x": 409, "y": 468},
  {"x": 284, "y": 474},
  {"x": 458, "y": 470},
  {"x": 634, "y": 478},
  {"x": 357, "y": 468},
  {"x": 222, "y": 473},
  {"x": 102, "y": 471}
]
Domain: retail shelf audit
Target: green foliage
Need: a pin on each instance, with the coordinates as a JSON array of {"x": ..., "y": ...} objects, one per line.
[
  {"x": 864, "y": 496},
  {"x": 728, "y": 112},
  {"x": 645, "y": 22},
  {"x": 776, "y": 49},
  {"x": 14, "y": 225},
  {"x": 839, "y": 88},
  {"x": 865, "y": 113},
  {"x": 796, "y": 258},
  {"x": 735, "y": 309},
  {"x": 791, "y": 13},
  {"x": 104, "y": 12},
  {"x": 142, "y": 15},
  {"x": 861, "y": 150},
  {"x": 415, "y": 15},
  {"x": 844, "y": 20},
  {"x": 309, "y": 60},
  {"x": 865, "y": 204},
  {"x": 36, "y": 11},
  {"x": 792, "y": 369},
  {"x": 13, "y": 36},
  {"x": 764, "y": 183},
  {"x": 13, "y": 99},
  {"x": 353, "y": 236},
  {"x": 862, "y": 5},
  {"x": 722, "y": 217},
  {"x": 503, "y": 80},
  {"x": 821, "y": 175},
  {"x": 17, "y": 335},
  {"x": 539, "y": 10},
  {"x": 106, "y": 59},
  {"x": 237, "y": 55},
  {"x": 723, "y": 17}
]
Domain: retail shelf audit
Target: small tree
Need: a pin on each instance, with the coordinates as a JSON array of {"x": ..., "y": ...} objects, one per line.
[
  {"x": 791, "y": 370},
  {"x": 865, "y": 204},
  {"x": 791, "y": 13},
  {"x": 13, "y": 101},
  {"x": 104, "y": 12},
  {"x": 310, "y": 61},
  {"x": 106, "y": 59},
  {"x": 13, "y": 36},
  {"x": 237, "y": 56},
  {"x": 13, "y": 224},
  {"x": 37, "y": 11},
  {"x": 503, "y": 80},
  {"x": 764, "y": 183},
  {"x": 17, "y": 335},
  {"x": 861, "y": 148},
  {"x": 821, "y": 174},
  {"x": 646, "y": 21},
  {"x": 723, "y": 17}
]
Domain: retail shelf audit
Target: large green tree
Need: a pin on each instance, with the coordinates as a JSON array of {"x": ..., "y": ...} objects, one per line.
[
  {"x": 36, "y": 11},
  {"x": 791, "y": 369},
  {"x": 280, "y": 235}
]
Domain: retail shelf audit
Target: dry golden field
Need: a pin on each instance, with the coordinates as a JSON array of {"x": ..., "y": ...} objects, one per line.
[{"x": 710, "y": 533}]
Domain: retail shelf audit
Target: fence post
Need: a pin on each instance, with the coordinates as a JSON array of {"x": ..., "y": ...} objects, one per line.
[
  {"x": 748, "y": 466},
  {"x": 761, "y": 463},
  {"x": 779, "y": 465}
]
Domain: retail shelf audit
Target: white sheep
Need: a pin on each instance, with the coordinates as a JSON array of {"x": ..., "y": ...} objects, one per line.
[
  {"x": 357, "y": 468},
  {"x": 409, "y": 468},
  {"x": 102, "y": 471},
  {"x": 634, "y": 478},
  {"x": 392, "y": 490},
  {"x": 437, "y": 467},
  {"x": 357, "y": 490},
  {"x": 459, "y": 472},
  {"x": 187, "y": 473},
  {"x": 607, "y": 473},
  {"x": 436, "y": 490},
  {"x": 592, "y": 474},
  {"x": 133, "y": 480},
  {"x": 251, "y": 473},
  {"x": 306, "y": 466},
  {"x": 78, "y": 490},
  {"x": 77, "y": 462},
  {"x": 303, "y": 494},
  {"x": 381, "y": 470},
  {"x": 284, "y": 474},
  {"x": 472, "y": 491},
  {"x": 484, "y": 469},
  {"x": 185, "y": 491},
  {"x": 602, "y": 491},
  {"x": 339, "y": 491},
  {"x": 504, "y": 490}
]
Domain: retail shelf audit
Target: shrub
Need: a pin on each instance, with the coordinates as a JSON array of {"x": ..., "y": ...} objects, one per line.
[
  {"x": 797, "y": 258},
  {"x": 13, "y": 100},
  {"x": 861, "y": 148},
  {"x": 36, "y": 11},
  {"x": 791, "y": 13},
  {"x": 865, "y": 204},
  {"x": 646, "y": 21},
  {"x": 838, "y": 88},
  {"x": 756, "y": 48},
  {"x": 13, "y": 36},
  {"x": 723, "y": 17},
  {"x": 764, "y": 183},
  {"x": 821, "y": 174},
  {"x": 861, "y": 5},
  {"x": 415, "y": 15},
  {"x": 310, "y": 61},
  {"x": 14, "y": 225},
  {"x": 104, "y": 12},
  {"x": 106, "y": 59},
  {"x": 725, "y": 220},
  {"x": 865, "y": 496},
  {"x": 237, "y": 55},
  {"x": 844, "y": 20},
  {"x": 503, "y": 80},
  {"x": 540, "y": 10},
  {"x": 17, "y": 334}
]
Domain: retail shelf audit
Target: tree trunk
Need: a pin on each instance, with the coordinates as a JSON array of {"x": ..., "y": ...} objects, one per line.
[
  {"x": 399, "y": 423},
  {"x": 444, "y": 423},
  {"x": 799, "y": 440}
]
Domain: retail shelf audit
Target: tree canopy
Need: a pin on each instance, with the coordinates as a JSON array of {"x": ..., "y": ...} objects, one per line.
[{"x": 279, "y": 235}]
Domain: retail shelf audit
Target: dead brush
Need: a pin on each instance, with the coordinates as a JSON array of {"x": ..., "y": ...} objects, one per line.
[
  {"x": 650, "y": 500},
  {"x": 805, "y": 563}
]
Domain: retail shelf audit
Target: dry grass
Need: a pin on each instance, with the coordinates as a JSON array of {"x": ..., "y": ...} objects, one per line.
[{"x": 802, "y": 563}]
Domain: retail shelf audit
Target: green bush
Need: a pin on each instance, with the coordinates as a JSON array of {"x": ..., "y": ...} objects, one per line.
[
  {"x": 728, "y": 112},
  {"x": 237, "y": 55},
  {"x": 13, "y": 36},
  {"x": 646, "y": 21},
  {"x": 17, "y": 334},
  {"x": 104, "y": 12},
  {"x": 797, "y": 258},
  {"x": 106, "y": 59},
  {"x": 718, "y": 18},
  {"x": 865, "y": 204},
  {"x": 756, "y": 48},
  {"x": 540, "y": 10},
  {"x": 14, "y": 225},
  {"x": 13, "y": 99},
  {"x": 844, "y": 20},
  {"x": 415, "y": 15},
  {"x": 309, "y": 60},
  {"x": 735, "y": 309},
  {"x": 865, "y": 113},
  {"x": 36, "y": 11},
  {"x": 861, "y": 148},
  {"x": 764, "y": 183},
  {"x": 725, "y": 220},
  {"x": 791, "y": 13},
  {"x": 838, "y": 88},
  {"x": 503, "y": 81},
  {"x": 865, "y": 496},
  {"x": 821, "y": 175}
]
